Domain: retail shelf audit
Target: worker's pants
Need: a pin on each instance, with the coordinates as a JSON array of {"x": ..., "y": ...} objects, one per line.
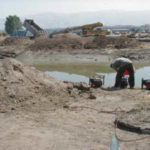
[{"x": 121, "y": 72}]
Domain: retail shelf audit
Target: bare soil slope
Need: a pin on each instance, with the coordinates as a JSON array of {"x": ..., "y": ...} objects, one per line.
[
  {"x": 22, "y": 86},
  {"x": 16, "y": 40},
  {"x": 111, "y": 42},
  {"x": 60, "y": 41},
  {"x": 73, "y": 41}
]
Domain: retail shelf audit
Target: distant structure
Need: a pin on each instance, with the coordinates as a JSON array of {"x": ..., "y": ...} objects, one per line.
[{"x": 120, "y": 31}]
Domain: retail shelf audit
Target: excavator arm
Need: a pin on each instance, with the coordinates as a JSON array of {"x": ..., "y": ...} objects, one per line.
[{"x": 88, "y": 29}]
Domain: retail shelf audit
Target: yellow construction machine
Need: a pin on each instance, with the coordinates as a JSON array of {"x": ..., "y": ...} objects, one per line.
[
  {"x": 93, "y": 29},
  {"x": 87, "y": 30}
]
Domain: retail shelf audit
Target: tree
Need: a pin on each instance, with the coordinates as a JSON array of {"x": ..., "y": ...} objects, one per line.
[{"x": 12, "y": 24}]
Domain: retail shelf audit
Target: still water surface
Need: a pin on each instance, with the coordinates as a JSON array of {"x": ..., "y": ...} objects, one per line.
[{"x": 82, "y": 72}]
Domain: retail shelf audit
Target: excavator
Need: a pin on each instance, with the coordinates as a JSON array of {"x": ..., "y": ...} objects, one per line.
[
  {"x": 93, "y": 29},
  {"x": 35, "y": 29},
  {"x": 86, "y": 30}
]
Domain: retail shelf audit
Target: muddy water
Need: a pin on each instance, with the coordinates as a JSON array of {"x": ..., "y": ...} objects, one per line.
[{"x": 82, "y": 72}]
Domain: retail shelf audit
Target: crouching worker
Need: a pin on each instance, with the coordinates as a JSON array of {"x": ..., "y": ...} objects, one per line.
[{"x": 121, "y": 65}]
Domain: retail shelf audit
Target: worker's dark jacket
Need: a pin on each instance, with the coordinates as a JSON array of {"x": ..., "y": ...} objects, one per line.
[{"x": 121, "y": 65}]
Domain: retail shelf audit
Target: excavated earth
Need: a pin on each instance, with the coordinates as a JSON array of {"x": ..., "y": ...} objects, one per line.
[
  {"x": 38, "y": 112},
  {"x": 73, "y": 48},
  {"x": 22, "y": 86}
]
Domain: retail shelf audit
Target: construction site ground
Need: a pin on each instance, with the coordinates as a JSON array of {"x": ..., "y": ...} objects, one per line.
[
  {"x": 38, "y": 112},
  {"x": 71, "y": 48}
]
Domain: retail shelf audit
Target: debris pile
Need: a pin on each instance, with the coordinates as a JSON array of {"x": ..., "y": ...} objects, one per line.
[
  {"x": 59, "y": 41},
  {"x": 22, "y": 86},
  {"x": 16, "y": 40},
  {"x": 70, "y": 41},
  {"x": 110, "y": 42}
]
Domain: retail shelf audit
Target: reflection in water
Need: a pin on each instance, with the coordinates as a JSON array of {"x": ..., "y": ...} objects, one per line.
[
  {"x": 142, "y": 73},
  {"x": 109, "y": 77},
  {"x": 85, "y": 69},
  {"x": 63, "y": 76}
]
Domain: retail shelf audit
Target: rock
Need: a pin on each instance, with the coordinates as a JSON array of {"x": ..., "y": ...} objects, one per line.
[{"x": 82, "y": 86}]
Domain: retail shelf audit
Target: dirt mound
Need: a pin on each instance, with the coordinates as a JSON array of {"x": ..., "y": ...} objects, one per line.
[
  {"x": 73, "y": 41},
  {"x": 17, "y": 40},
  {"x": 23, "y": 86},
  {"x": 112, "y": 42},
  {"x": 59, "y": 41}
]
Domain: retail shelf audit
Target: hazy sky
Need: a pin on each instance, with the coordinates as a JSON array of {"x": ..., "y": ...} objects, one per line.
[{"x": 31, "y": 7}]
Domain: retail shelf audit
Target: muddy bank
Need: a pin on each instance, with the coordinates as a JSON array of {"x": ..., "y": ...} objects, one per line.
[
  {"x": 71, "y": 48},
  {"x": 82, "y": 56},
  {"x": 30, "y": 57}
]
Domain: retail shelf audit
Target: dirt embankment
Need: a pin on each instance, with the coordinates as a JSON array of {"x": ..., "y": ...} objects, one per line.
[
  {"x": 111, "y": 42},
  {"x": 22, "y": 86},
  {"x": 74, "y": 48},
  {"x": 59, "y": 42},
  {"x": 17, "y": 41},
  {"x": 12, "y": 46},
  {"x": 73, "y": 41}
]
